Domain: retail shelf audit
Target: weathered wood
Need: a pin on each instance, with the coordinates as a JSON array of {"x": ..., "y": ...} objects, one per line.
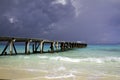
[
  {"x": 41, "y": 46},
  {"x": 39, "y": 43},
  {"x": 11, "y": 47},
  {"x": 27, "y": 45},
  {"x": 52, "y": 47},
  {"x": 33, "y": 48},
  {"x": 62, "y": 46},
  {"x": 57, "y": 46}
]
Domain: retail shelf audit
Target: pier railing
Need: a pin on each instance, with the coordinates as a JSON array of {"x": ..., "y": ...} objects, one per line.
[{"x": 37, "y": 45}]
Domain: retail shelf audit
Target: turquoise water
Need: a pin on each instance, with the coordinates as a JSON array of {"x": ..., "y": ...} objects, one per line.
[{"x": 96, "y": 62}]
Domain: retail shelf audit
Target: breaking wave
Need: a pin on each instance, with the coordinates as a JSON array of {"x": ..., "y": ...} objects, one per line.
[{"x": 76, "y": 60}]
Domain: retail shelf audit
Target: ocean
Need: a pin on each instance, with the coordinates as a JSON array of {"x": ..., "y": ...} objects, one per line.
[{"x": 95, "y": 62}]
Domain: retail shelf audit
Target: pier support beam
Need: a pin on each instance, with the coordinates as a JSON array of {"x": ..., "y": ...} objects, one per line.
[
  {"x": 37, "y": 44},
  {"x": 57, "y": 46},
  {"x": 33, "y": 48},
  {"x": 14, "y": 49},
  {"x": 66, "y": 45},
  {"x": 11, "y": 47},
  {"x": 62, "y": 46},
  {"x": 27, "y": 47},
  {"x": 52, "y": 47},
  {"x": 41, "y": 46},
  {"x": 4, "y": 51}
]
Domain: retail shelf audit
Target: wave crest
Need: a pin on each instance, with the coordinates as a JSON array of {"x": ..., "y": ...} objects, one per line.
[{"x": 76, "y": 60}]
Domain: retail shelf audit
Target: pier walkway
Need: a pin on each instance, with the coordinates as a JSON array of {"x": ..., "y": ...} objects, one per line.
[{"x": 37, "y": 45}]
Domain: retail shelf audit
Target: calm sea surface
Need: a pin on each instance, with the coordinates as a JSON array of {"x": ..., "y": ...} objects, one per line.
[{"x": 96, "y": 62}]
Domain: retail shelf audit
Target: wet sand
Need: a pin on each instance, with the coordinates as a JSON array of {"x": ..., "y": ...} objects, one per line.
[{"x": 19, "y": 74}]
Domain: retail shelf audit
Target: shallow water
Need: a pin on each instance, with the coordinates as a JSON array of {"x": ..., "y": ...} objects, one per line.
[{"x": 96, "y": 62}]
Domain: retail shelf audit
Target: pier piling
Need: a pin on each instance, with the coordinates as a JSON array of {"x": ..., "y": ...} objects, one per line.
[
  {"x": 41, "y": 46},
  {"x": 37, "y": 45}
]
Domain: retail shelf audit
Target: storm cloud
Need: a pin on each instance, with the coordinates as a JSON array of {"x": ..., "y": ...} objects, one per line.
[
  {"x": 98, "y": 22},
  {"x": 32, "y": 18},
  {"x": 93, "y": 21}
]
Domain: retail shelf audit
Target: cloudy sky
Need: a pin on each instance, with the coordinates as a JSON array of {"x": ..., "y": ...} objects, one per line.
[{"x": 92, "y": 21}]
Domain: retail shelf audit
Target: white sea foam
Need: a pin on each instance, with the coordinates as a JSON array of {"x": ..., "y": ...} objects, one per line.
[
  {"x": 62, "y": 68},
  {"x": 77, "y": 60},
  {"x": 60, "y": 77},
  {"x": 113, "y": 59},
  {"x": 42, "y": 57},
  {"x": 97, "y": 60},
  {"x": 101, "y": 60},
  {"x": 65, "y": 59}
]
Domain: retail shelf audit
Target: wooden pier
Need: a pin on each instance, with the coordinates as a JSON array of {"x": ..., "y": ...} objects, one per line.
[{"x": 37, "y": 45}]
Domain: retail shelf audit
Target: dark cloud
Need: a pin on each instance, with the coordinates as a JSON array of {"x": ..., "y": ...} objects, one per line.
[
  {"x": 31, "y": 18},
  {"x": 94, "y": 21},
  {"x": 98, "y": 22}
]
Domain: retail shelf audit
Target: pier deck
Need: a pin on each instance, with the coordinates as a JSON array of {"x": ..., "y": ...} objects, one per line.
[{"x": 37, "y": 45}]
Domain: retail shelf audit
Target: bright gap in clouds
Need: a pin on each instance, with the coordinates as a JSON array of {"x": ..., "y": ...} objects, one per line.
[
  {"x": 75, "y": 3},
  {"x": 63, "y": 2},
  {"x": 11, "y": 20}
]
